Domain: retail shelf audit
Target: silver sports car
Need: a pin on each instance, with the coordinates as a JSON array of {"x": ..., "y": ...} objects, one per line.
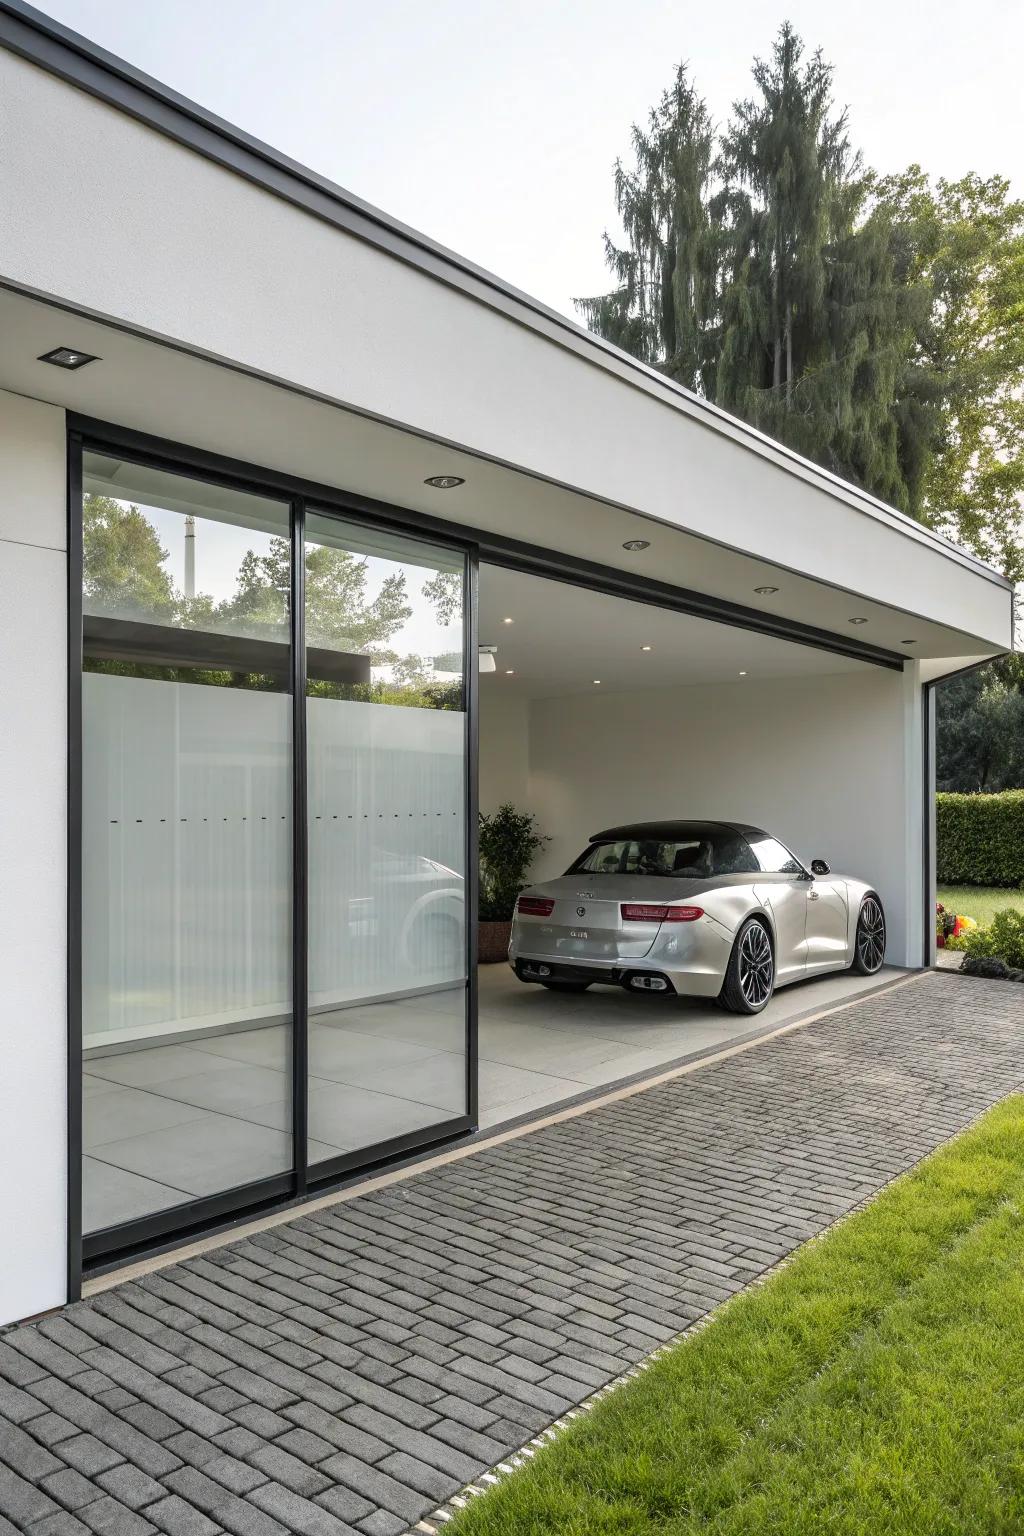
[{"x": 704, "y": 908}]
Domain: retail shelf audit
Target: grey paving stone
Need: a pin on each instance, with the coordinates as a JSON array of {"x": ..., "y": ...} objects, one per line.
[
  {"x": 308, "y": 1447},
  {"x": 259, "y": 1420},
  {"x": 297, "y": 1514},
  {"x": 234, "y": 1474},
  {"x": 237, "y": 1441},
  {"x": 25, "y": 1455},
  {"x": 22, "y": 1502},
  {"x": 349, "y": 1507},
  {"x": 18, "y": 1368},
  {"x": 109, "y": 1517},
  {"x": 436, "y": 1485},
  {"x": 117, "y": 1431},
  {"x": 88, "y": 1455},
  {"x": 70, "y": 1488},
  {"x": 222, "y": 1506},
  {"x": 288, "y": 1470},
  {"x": 338, "y": 1432},
  {"x": 16, "y": 1405},
  {"x": 382, "y": 1490},
  {"x": 381, "y": 1523},
  {"x": 132, "y": 1487},
  {"x": 62, "y": 1524},
  {"x": 176, "y": 1518}
]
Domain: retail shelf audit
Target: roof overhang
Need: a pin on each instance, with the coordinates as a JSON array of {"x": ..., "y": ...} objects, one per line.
[{"x": 242, "y": 304}]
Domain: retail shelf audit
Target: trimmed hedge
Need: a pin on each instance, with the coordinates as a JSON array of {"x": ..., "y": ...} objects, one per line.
[{"x": 980, "y": 838}]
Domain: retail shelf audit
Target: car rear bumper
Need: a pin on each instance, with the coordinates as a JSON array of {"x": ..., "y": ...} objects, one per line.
[{"x": 633, "y": 975}]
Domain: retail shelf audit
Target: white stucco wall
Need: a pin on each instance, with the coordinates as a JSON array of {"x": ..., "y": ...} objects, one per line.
[
  {"x": 504, "y": 746},
  {"x": 33, "y": 864},
  {"x": 830, "y": 765}
]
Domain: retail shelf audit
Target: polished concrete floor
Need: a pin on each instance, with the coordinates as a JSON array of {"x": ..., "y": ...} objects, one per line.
[{"x": 177, "y": 1122}]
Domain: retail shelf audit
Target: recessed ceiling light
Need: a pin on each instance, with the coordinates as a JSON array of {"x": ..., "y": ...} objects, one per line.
[
  {"x": 510, "y": 671},
  {"x": 856, "y": 621},
  {"x": 444, "y": 482},
  {"x": 743, "y": 674},
  {"x": 647, "y": 647},
  {"x": 632, "y": 544},
  {"x": 508, "y": 621},
  {"x": 597, "y": 682},
  {"x": 67, "y": 357},
  {"x": 908, "y": 642},
  {"x": 765, "y": 591}
]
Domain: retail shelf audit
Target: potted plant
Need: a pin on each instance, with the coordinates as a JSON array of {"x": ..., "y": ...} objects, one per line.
[{"x": 509, "y": 842}]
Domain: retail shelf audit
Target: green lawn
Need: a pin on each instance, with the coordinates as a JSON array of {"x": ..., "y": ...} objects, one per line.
[
  {"x": 981, "y": 902},
  {"x": 873, "y": 1387}
]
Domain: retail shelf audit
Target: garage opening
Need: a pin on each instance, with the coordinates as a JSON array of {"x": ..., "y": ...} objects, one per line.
[{"x": 599, "y": 713}]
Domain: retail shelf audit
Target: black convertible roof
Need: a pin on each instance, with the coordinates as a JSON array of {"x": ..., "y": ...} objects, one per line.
[{"x": 673, "y": 831}]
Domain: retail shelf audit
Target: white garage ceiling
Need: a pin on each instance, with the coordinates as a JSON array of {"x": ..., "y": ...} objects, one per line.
[{"x": 562, "y": 638}]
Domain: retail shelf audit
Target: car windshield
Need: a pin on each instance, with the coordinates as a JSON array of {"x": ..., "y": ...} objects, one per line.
[{"x": 695, "y": 858}]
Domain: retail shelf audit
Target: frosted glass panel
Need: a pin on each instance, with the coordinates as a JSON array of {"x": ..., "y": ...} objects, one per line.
[
  {"x": 187, "y": 858},
  {"x": 387, "y": 838},
  {"x": 187, "y": 834}
]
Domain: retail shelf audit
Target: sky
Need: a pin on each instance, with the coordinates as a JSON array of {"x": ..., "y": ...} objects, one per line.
[{"x": 494, "y": 128}]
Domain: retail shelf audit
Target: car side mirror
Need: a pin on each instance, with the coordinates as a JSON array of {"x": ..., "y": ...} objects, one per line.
[{"x": 819, "y": 867}]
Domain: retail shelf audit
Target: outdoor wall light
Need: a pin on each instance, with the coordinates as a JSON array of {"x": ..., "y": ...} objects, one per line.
[
  {"x": 67, "y": 357},
  {"x": 632, "y": 544},
  {"x": 856, "y": 621},
  {"x": 444, "y": 482},
  {"x": 765, "y": 591}
]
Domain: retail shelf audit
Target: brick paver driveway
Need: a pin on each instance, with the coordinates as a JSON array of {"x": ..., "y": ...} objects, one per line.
[{"x": 349, "y": 1370}]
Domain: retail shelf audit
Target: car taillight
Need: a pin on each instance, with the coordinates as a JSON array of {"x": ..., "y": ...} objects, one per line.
[
  {"x": 535, "y": 906},
  {"x": 641, "y": 912}
]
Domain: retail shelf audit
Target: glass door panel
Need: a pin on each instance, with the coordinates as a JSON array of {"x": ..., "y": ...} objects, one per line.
[
  {"x": 386, "y": 751},
  {"x": 187, "y": 841}
]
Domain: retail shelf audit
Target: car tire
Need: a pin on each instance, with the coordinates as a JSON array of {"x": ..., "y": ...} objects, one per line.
[
  {"x": 557, "y": 985},
  {"x": 750, "y": 975},
  {"x": 869, "y": 940}
]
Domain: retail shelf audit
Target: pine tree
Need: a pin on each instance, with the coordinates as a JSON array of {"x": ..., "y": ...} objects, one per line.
[
  {"x": 665, "y": 304},
  {"x": 763, "y": 277},
  {"x": 816, "y": 327}
]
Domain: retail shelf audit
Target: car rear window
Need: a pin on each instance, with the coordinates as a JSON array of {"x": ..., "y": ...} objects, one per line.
[{"x": 689, "y": 859}]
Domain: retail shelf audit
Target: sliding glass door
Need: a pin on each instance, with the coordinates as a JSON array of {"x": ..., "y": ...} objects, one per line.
[
  {"x": 386, "y": 752},
  {"x": 274, "y": 793}
]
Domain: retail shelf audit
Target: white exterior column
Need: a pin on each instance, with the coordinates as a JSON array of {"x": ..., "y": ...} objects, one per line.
[{"x": 33, "y": 857}]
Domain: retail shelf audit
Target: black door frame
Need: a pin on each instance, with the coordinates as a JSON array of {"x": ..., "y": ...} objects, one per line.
[
  {"x": 105, "y": 1251},
  {"x": 94, "y": 1252}
]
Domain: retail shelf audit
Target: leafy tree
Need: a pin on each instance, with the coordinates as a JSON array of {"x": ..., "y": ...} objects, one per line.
[
  {"x": 964, "y": 240},
  {"x": 123, "y": 561},
  {"x": 665, "y": 306},
  {"x": 980, "y": 729}
]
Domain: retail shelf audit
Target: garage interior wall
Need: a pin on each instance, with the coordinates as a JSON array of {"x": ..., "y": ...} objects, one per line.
[
  {"x": 829, "y": 764},
  {"x": 33, "y": 856}
]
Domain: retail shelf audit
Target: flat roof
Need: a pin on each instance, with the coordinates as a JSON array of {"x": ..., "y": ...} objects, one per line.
[{"x": 30, "y": 33}]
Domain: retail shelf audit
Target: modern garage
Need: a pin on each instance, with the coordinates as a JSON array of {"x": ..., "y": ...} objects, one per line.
[
  {"x": 601, "y": 711},
  {"x": 316, "y": 541}
]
